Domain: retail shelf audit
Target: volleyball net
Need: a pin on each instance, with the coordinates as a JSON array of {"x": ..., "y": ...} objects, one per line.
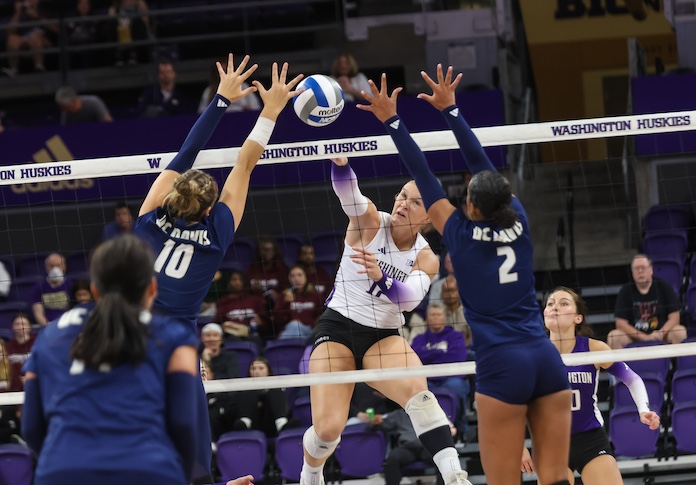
[{"x": 585, "y": 214}]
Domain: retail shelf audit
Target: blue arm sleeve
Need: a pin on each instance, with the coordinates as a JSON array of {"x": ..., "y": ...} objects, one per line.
[
  {"x": 181, "y": 416},
  {"x": 469, "y": 145},
  {"x": 33, "y": 421},
  {"x": 415, "y": 162},
  {"x": 199, "y": 135}
]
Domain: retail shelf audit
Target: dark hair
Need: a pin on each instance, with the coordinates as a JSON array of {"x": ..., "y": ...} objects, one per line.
[
  {"x": 121, "y": 269},
  {"x": 260, "y": 359},
  {"x": 264, "y": 239},
  {"x": 583, "y": 329},
  {"x": 121, "y": 205},
  {"x": 80, "y": 285},
  {"x": 491, "y": 195},
  {"x": 308, "y": 286}
]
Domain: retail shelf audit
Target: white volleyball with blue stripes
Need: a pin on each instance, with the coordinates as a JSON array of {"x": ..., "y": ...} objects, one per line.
[{"x": 322, "y": 101}]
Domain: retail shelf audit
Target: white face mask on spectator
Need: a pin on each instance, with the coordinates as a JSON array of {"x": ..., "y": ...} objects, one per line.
[{"x": 56, "y": 276}]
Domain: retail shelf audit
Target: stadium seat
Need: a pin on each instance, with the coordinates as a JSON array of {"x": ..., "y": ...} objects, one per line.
[
  {"x": 687, "y": 361},
  {"x": 33, "y": 265},
  {"x": 16, "y": 464},
  {"x": 9, "y": 310},
  {"x": 22, "y": 288},
  {"x": 290, "y": 245},
  {"x": 289, "y": 453},
  {"x": 684, "y": 426},
  {"x": 361, "y": 451},
  {"x": 684, "y": 386},
  {"x": 78, "y": 262},
  {"x": 649, "y": 366},
  {"x": 302, "y": 410},
  {"x": 239, "y": 255},
  {"x": 328, "y": 246},
  {"x": 667, "y": 217},
  {"x": 654, "y": 384},
  {"x": 670, "y": 270},
  {"x": 246, "y": 353},
  {"x": 241, "y": 453},
  {"x": 666, "y": 243},
  {"x": 448, "y": 402},
  {"x": 629, "y": 436},
  {"x": 284, "y": 355}
]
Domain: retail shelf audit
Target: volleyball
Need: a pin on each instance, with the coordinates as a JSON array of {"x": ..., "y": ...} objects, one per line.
[{"x": 322, "y": 101}]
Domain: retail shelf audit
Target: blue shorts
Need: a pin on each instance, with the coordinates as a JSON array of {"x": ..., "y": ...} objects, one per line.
[{"x": 519, "y": 373}]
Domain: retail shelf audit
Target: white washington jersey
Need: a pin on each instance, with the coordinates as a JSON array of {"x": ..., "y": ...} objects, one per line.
[{"x": 357, "y": 297}]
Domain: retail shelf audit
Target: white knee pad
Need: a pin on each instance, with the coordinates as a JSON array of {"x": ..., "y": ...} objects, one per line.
[
  {"x": 317, "y": 447},
  {"x": 425, "y": 412}
]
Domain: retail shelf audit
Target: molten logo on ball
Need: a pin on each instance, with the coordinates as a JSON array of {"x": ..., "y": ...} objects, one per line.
[{"x": 322, "y": 101}]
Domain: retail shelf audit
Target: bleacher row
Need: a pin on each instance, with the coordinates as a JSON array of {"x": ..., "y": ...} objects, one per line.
[{"x": 27, "y": 270}]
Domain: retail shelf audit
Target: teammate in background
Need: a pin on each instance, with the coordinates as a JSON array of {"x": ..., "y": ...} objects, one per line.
[
  {"x": 520, "y": 376},
  {"x": 590, "y": 451},
  {"x": 386, "y": 269},
  {"x": 89, "y": 367},
  {"x": 188, "y": 231}
]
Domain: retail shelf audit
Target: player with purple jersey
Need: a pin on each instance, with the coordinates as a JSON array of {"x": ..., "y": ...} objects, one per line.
[
  {"x": 590, "y": 451},
  {"x": 520, "y": 377},
  {"x": 188, "y": 231}
]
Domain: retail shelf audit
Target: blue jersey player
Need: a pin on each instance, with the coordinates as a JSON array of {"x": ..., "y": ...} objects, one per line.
[
  {"x": 519, "y": 374},
  {"x": 188, "y": 231},
  {"x": 590, "y": 451},
  {"x": 109, "y": 386}
]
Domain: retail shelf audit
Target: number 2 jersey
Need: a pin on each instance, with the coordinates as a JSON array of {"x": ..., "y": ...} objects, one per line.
[
  {"x": 186, "y": 256},
  {"x": 357, "y": 297},
  {"x": 494, "y": 268},
  {"x": 583, "y": 382}
]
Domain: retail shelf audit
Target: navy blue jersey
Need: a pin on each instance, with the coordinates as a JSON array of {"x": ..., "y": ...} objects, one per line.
[
  {"x": 186, "y": 257},
  {"x": 494, "y": 269},
  {"x": 105, "y": 421}
]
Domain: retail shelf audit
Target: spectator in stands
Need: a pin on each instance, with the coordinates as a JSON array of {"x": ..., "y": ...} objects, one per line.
[
  {"x": 5, "y": 282},
  {"x": 345, "y": 71},
  {"x": 263, "y": 409},
  {"x": 83, "y": 31},
  {"x": 164, "y": 98},
  {"x": 316, "y": 274},
  {"x": 454, "y": 312},
  {"x": 131, "y": 23},
  {"x": 18, "y": 349},
  {"x": 80, "y": 108},
  {"x": 268, "y": 274},
  {"x": 250, "y": 102},
  {"x": 408, "y": 447},
  {"x": 122, "y": 223},
  {"x": 51, "y": 297},
  {"x": 222, "y": 407},
  {"x": 223, "y": 363},
  {"x": 217, "y": 289},
  {"x": 442, "y": 344},
  {"x": 33, "y": 37},
  {"x": 9, "y": 417},
  {"x": 298, "y": 309},
  {"x": 367, "y": 403},
  {"x": 81, "y": 292},
  {"x": 240, "y": 311},
  {"x": 647, "y": 310}
]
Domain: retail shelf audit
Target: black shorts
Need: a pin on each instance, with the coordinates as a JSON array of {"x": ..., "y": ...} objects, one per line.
[
  {"x": 334, "y": 327},
  {"x": 586, "y": 446}
]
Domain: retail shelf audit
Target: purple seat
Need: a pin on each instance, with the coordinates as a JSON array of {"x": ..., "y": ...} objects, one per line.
[
  {"x": 242, "y": 453},
  {"x": 78, "y": 262},
  {"x": 684, "y": 426},
  {"x": 684, "y": 386},
  {"x": 649, "y": 366},
  {"x": 284, "y": 355},
  {"x": 16, "y": 464},
  {"x": 9, "y": 310},
  {"x": 629, "y": 436},
  {"x": 239, "y": 255},
  {"x": 302, "y": 410},
  {"x": 667, "y": 217},
  {"x": 666, "y": 243},
  {"x": 246, "y": 353},
  {"x": 33, "y": 265},
  {"x": 328, "y": 246},
  {"x": 23, "y": 287},
  {"x": 671, "y": 270},
  {"x": 361, "y": 451},
  {"x": 289, "y": 453},
  {"x": 304, "y": 360},
  {"x": 654, "y": 384},
  {"x": 290, "y": 245},
  {"x": 687, "y": 361},
  {"x": 448, "y": 402}
]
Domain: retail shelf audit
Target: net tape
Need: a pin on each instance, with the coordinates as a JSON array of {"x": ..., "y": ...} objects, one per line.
[
  {"x": 359, "y": 147},
  {"x": 369, "y": 375}
]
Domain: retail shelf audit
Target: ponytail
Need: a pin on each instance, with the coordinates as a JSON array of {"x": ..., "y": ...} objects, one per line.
[{"x": 504, "y": 217}]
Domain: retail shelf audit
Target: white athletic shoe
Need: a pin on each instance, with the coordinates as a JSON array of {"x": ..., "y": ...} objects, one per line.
[{"x": 458, "y": 478}]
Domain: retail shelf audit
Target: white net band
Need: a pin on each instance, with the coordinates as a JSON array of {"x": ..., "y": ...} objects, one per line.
[{"x": 359, "y": 147}]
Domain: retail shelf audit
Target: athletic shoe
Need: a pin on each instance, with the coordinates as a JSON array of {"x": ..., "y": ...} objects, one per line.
[{"x": 458, "y": 478}]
